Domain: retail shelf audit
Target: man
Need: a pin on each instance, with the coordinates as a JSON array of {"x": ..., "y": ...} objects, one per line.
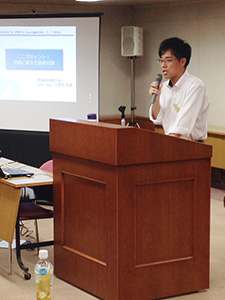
[{"x": 182, "y": 103}]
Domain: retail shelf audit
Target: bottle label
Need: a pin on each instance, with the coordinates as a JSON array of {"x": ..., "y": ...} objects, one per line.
[{"x": 43, "y": 272}]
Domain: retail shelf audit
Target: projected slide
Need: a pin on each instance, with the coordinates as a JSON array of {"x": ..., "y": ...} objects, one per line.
[
  {"x": 49, "y": 68},
  {"x": 38, "y": 63}
]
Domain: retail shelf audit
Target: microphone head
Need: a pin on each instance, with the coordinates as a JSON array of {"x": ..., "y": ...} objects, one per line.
[{"x": 158, "y": 78}]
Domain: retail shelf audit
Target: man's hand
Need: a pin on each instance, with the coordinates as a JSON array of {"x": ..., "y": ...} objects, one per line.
[
  {"x": 155, "y": 89},
  {"x": 175, "y": 134}
]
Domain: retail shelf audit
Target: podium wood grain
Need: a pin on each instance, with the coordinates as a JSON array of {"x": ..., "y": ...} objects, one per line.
[{"x": 132, "y": 211}]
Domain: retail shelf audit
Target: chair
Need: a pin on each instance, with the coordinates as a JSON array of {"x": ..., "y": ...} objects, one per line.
[
  {"x": 47, "y": 166},
  {"x": 44, "y": 194},
  {"x": 30, "y": 210}
]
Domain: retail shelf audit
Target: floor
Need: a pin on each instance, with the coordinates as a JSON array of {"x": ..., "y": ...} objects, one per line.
[{"x": 15, "y": 287}]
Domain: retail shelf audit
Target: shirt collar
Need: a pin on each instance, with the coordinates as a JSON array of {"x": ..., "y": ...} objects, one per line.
[{"x": 180, "y": 81}]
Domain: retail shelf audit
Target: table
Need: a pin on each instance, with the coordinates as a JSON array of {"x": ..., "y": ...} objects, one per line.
[
  {"x": 216, "y": 138},
  {"x": 10, "y": 193}
]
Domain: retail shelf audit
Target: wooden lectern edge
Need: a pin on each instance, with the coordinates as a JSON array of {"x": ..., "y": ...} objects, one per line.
[
  {"x": 134, "y": 142},
  {"x": 91, "y": 123}
]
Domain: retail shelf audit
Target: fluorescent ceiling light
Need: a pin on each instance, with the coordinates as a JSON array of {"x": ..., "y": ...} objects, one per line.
[{"x": 87, "y": 0}]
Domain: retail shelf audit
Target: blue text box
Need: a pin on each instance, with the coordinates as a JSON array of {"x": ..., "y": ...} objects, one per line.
[{"x": 34, "y": 59}]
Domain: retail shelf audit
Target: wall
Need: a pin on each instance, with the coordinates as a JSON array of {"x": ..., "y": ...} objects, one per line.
[{"x": 203, "y": 26}]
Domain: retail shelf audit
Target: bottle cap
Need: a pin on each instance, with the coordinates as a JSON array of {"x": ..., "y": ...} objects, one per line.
[{"x": 43, "y": 254}]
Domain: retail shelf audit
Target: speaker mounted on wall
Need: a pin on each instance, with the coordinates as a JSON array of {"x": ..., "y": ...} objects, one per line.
[{"x": 131, "y": 41}]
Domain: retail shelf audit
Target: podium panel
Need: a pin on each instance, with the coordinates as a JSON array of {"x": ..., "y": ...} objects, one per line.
[
  {"x": 173, "y": 206},
  {"x": 85, "y": 209},
  {"x": 130, "y": 229}
]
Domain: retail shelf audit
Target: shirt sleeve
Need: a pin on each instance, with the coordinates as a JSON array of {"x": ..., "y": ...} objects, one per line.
[
  {"x": 159, "y": 118},
  {"x": 188, "y": 113}
]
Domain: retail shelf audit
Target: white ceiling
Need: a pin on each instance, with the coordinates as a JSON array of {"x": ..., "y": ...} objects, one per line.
[
  {"x": 136, "y": 2},
  {"x": 103, "y": 2}
]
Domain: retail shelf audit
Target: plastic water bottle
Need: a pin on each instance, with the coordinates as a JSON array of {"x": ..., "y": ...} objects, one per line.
[{"x": 43, "y": 272}]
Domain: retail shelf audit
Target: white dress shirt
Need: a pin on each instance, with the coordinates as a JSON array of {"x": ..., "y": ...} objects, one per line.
[{"x": 183, "y": 108}]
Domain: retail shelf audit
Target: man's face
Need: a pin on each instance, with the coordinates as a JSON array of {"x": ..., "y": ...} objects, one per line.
[{"x": 172, "y": 68}]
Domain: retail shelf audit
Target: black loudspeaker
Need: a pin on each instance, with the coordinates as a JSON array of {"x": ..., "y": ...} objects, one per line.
[{"x": 131, "y": 41}]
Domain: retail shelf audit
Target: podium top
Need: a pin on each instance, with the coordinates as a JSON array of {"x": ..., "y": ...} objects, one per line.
[{"x": 119, "y": 145}]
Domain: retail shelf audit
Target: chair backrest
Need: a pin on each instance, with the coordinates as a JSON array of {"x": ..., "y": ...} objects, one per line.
[{"x": 47, "y": 166}]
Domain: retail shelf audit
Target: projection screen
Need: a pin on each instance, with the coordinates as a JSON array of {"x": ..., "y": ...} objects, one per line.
[{"x": 49, "y": 69}]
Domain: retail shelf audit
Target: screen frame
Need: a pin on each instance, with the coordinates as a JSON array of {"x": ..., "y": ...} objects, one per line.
[{"x": 62, "y": 15}]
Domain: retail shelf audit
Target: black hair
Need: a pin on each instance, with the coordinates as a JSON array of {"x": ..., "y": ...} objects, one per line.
[{"x": 178, "y": 47}]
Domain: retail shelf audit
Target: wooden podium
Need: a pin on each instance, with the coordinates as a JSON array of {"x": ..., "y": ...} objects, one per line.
[{"x": 132, "y": 211}]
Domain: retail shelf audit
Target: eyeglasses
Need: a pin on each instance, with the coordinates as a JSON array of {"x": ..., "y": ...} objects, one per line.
[{"x": 166, "y": 61}]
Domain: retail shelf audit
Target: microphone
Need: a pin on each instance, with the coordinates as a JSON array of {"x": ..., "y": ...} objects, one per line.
[{"x": 158, "y": 80}]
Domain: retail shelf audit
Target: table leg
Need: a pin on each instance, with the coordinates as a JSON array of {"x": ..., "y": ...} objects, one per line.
[{"x": 25, "y": 269}]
